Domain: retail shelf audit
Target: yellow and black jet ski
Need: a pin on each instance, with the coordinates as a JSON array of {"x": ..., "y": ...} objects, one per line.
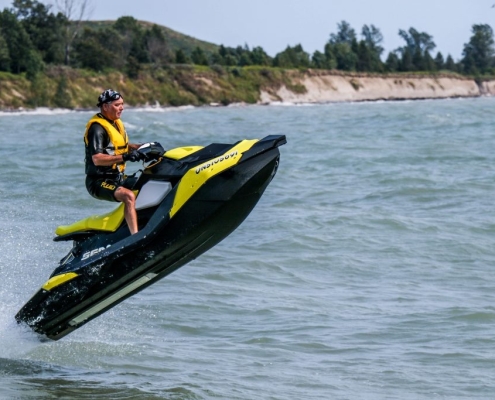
[{"x": 188, "y": 200}]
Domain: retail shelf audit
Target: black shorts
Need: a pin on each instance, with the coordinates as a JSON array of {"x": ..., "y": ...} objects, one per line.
[{"x": 103, "y": 188}]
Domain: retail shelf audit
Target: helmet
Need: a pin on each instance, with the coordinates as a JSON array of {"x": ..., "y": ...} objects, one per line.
[{"x": 108, "y": 96}]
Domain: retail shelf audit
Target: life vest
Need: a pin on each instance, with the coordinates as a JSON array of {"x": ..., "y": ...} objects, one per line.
[{"x": 119, "y": 143}]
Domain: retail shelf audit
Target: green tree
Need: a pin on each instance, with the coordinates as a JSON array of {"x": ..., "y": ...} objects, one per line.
[
  {"x": 373, "y": 39},
  {"x": 245, "y": 59},
  {"x": 324, "y": 60},
  {"x": 74, "y": 12},
  {"x": 418, "y": 62},
  {"x": 231, "y": 60},
  {"x": 415, "y": 39},
  {"x": 450, "y": 64},
  {"x": 34, "y": 64},
  {"x": 439, "y": 61},
  {"x": 345, "y": 34},
  {"x": 240, "y": 56},
  {"x": 98, "y": 50},
  {"x": 364, "y": 61},
  {"x": 198, "y": 56},
  {"x": 406, "y": 62},
  {"x": 181, "y": 58},
  {"x": 224, "y": 56},
  {"x": 428, "y": 62},
  {"x": 158, "y": 50},
  {"x": 133, "y": 38},
  {"x": 243, "y": 55},
  {"x": 345, "y": 58},
  {"x": 43, "y": 27},
  {"x": 292, "y": 57},
  {"x": 478, "y": 52},
  {"x": 260, "y": 57},
  {"x": 4, "y": 55},
  {"x": 417, "y": 44},
  {"x": 392, "y": 64},
  {"x": 341, "y": 47},
  {"x": 330, "y": 58},
  {"x": 23, "y": 56},
  {"x": 133, "y": 67},
  {"x": 318, "y": 60}
]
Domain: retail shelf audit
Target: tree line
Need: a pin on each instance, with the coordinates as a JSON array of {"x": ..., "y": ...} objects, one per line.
[{"x": 32, "y": 36}]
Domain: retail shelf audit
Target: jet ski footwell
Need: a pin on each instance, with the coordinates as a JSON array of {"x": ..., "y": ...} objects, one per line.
[{"x": 208, "y": 200}]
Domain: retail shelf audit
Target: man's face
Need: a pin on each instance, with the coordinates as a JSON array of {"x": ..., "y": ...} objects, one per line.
[{"x": 114, "y": 109}]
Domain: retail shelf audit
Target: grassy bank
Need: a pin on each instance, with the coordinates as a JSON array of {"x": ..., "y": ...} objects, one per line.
[{"x": 62, "y": 87}]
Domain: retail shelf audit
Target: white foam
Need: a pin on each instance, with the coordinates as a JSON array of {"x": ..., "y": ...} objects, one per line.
[
  {"x": 291, "y": 104},
  {"x": 160, "y": 109},
  {"x": 60, "y": 111},
  {"x": 39, "y": 111},
  {"x": 16, "y": 340}
]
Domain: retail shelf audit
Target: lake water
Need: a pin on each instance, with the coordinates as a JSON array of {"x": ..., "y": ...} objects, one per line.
[{"x": 366, "y": 271}]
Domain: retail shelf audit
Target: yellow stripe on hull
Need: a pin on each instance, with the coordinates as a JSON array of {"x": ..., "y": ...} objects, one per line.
[
  {"x": 197, "y": 177},
  {"x": 58, "y": 280}
]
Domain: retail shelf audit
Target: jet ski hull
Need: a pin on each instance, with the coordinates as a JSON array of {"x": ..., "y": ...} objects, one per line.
[{"x": 119, "y": 270}]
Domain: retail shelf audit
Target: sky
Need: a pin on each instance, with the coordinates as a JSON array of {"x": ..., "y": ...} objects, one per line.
[{"x": 276, "y": 24}]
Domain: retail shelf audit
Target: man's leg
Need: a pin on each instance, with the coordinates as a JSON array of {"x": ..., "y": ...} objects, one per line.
[{"x": 127, "y": 197}]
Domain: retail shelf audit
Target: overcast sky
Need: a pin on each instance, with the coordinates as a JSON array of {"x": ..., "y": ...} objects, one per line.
[{"x": 275, "y": 24}]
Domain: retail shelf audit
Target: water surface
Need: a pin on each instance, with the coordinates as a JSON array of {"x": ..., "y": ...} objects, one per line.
[{"x": 366, "y": 271}]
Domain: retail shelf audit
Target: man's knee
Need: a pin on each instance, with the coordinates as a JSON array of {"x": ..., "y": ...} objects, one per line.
[{"x": 125, "y": 195}]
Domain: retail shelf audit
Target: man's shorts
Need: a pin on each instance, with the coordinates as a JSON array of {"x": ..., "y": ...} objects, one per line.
[{"x": 103, "y": 188}]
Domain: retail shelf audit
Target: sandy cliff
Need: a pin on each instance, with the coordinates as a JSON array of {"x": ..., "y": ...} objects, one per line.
[{"x": 321, "y": 88}]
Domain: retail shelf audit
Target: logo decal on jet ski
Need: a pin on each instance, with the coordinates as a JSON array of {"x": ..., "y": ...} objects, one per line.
[
  {"x": 215, "y": 161},
  {"x": 93, "y": 252}
]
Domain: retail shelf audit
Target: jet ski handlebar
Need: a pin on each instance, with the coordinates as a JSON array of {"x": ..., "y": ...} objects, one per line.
[{"x": 151, "y": 151}]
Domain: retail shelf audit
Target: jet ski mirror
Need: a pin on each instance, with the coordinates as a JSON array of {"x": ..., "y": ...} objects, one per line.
[{"x": 151, "y": 151}]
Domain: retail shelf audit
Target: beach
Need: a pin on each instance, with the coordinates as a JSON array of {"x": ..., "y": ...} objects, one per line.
[{"x": 328, "y": 86}]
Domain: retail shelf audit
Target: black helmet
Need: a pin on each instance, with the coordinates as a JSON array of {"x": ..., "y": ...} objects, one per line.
[{"x": 107, "y": 96}]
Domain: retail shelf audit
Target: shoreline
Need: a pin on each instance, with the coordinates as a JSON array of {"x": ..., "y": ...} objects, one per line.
[
  {"x": 308, "y": 87},
  {"x": 149, "y": 108}
]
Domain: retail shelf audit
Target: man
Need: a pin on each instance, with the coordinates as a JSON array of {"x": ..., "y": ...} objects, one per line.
[{"x": 107, "y": 150}]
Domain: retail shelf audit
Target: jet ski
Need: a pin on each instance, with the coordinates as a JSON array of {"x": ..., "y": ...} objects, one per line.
[{"x": 187, "y": 200}]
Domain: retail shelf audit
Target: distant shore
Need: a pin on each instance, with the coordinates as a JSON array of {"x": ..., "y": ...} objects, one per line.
[
  {"x": 76, "y": 90},
  {"x": 331, "y": 87}
]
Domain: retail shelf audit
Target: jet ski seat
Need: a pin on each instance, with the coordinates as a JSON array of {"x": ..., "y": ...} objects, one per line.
[
  {"x": 108, "y": 222},
  {"x": 111, "y": 221}
]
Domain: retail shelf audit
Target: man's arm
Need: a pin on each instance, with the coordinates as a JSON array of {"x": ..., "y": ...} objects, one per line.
[{"x": 106, "y": 160}]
